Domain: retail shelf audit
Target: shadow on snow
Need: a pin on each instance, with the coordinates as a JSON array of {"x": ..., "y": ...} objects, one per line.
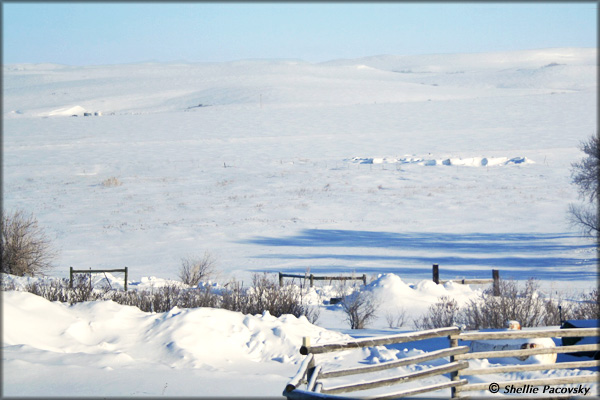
[
  {"x": 538, "y": 254},
  {"x": 472, "y": 243}
]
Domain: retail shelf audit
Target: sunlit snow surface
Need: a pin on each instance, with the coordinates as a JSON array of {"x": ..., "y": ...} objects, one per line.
[
  {"x": 380, "y": 165},
  {"x": 204, "y": 352}
]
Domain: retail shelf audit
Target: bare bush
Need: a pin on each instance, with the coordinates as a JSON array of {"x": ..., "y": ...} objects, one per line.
[
  {"x": 165, "y": 298},
  {"x": 585, "y": 174},
  {"x": 194, "y": 269},
  {"x": 59, "y": 290},
  {"x": 441, "y": 314},
  {"x": 266, "y": 295},
  {"x": 6, "y": 284},
  {"x": 395, "y": 318},
  {"x": 234, "y": 297},
  {"x": 198, "y": 297},
  {"x": 555, "y": 311},
  {"x": 360, "y": 308},
  {"x": 111, "y": 182},
  {"x": 488, "y": 311},
  {"x": 82, "y": 289},
  {"x": 55, "y": 290},
  {"x": 26, "y": 249},
  {"x": 585, "y": 218},
  {"x": 588, "y": 307},
  {"x": 312, "y": 313}
]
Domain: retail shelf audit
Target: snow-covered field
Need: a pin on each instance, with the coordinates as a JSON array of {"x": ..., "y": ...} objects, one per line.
[{"x": 385, "y": 164}]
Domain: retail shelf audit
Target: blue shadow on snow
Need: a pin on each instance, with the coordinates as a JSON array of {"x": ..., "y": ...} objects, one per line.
[{"x": 517, "y": 254}]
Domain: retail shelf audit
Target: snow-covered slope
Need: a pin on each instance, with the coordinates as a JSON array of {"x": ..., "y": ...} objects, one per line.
[{"x": 256, "y": 162}]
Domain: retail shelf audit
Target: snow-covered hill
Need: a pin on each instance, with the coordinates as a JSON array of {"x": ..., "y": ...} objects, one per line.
[
  {"x": 246, "y": 159},
  {"x": 385, "y": 164}
]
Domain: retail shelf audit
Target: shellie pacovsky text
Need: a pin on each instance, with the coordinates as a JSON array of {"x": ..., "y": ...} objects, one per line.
[{"x": 546, "y": 389}]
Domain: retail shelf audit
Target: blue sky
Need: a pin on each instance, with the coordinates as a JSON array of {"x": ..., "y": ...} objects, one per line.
[{"x": 114, "y": 33}]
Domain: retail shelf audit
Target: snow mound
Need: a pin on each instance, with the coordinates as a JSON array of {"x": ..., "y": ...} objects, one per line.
[
  {"x": 66, "y": 112},
  {"x": 452, "y": 161},
  {"x": 180, "y": 338},
  {"x": 391, "y": 291}
]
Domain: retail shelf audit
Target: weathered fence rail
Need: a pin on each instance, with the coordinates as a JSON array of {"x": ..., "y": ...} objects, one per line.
[
  {"x": 96, "y": 271},
  {"x": 495, "y": 281},
  {"x": 312, "y": 278},
  {"x": 312, "y": 374},
  {"x": 526, "y": 334}
]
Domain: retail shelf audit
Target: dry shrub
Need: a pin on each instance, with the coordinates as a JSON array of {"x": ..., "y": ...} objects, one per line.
[
  {"x": 523, "y": 305},
  {"x": 360, "y": 308},
  {"x": 556, "y": 310},
  {"x": 588, "y": 307},
  {"x": 59, "y": 290},
  {"x": 195, "y": 270},
  {"x": 395, "y": 318},
  {"x": 26, "y": 249},
  {"x": 52, "y": 291},
  {"x": 165, "y": 298},
  {"x": 266, "y": 295},
  {"x": 442, "y": 314},
  {"x": 111, "y": 182}
]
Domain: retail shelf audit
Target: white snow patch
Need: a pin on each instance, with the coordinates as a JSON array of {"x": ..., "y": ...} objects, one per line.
[
  {"x": 66, "y": 111},
  {"x": 451, "y": 161}
]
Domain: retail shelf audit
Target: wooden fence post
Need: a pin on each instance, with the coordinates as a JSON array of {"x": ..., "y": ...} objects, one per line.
[
  {"x": 280, "y": 279},
  {"x": 436, "y": 273},
  {"x": 496, "y": 277},
  {"x": 125, "y": 279},
  {"x": 364, "y": 278},
  {"x": 306, "y": 343},
  {"x": 312, "y": 280},
  {"x": 454, "y": 376},
  {"x": 71, "y": 277}
]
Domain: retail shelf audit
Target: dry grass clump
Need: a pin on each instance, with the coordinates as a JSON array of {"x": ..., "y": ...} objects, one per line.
[{"x": 111, "y": 182}]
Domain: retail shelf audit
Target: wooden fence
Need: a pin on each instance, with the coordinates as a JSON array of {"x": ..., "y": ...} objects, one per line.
[
  {"x": 525, "y": 334},
  {"x": 311, "y": 373},
  {"x": 436, "y": 278},
  {"x": 95, "y": 271},
  {"x": 314, "y": 278},
  {"x": 495, "y": 281}
]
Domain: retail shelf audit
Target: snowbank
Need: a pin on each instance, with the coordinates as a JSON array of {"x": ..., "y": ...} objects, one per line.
[
  {"x": 108, "y": 336},
  {"x": 66, "y": 112},
  {"x": 393, "y": 293}
]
